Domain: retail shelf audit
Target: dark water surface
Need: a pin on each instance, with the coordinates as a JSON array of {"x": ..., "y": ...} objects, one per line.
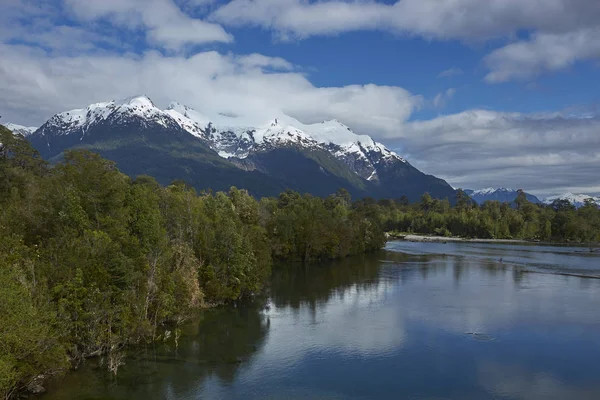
[{"x": 418, "y": 321}]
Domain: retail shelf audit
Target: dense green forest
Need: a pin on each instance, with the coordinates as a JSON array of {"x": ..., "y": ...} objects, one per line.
[
  {"x": 558, "y": 222},
  {"x": 92, "y": 260}
]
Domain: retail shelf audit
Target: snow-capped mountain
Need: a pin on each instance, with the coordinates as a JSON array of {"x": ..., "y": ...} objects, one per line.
[
  {"x": 20, "y": 129},
  {"x": 503, "y": 195},
  {"x": 578, "y": 200},
  {"x": 76, "y": 122},
  {"x": 359, "y": 152},
  {"x": 327, "y": 155},
  {"x": 229, "y": 138}
]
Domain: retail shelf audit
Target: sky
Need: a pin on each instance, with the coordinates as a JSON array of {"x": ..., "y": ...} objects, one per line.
[{"x": 482, "y": 93}]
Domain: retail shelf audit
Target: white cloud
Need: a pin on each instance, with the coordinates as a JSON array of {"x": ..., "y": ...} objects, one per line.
[
  {"x": 259, "y": 60},
  {"x": 545, "y": 153},
  {"x": 440, "y": 100},
  {"x": 165, "y": 23},
  {"x": 77, "y": 25},
  {"x": 301, "y": 19},
  {"x": 442, "y": 19},
  {"x": 35, "y": 86},
  {"x": 569, "y": 27},
  {"x": 543, "y": 52}
]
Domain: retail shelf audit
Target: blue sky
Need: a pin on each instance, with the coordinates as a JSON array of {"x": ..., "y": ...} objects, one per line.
[{"x": 479, "y": 92}]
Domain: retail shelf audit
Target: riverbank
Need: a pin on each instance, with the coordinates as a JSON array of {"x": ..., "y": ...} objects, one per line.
[{"x": 442, "y": 239}]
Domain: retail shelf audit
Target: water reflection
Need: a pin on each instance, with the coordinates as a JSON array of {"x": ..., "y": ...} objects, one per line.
[
  {"x": 297, "y": 284},
  {"x": 515, "y": 382},
  {"x": 214, "y": 347},
  {"x": 440, "y": 323}
]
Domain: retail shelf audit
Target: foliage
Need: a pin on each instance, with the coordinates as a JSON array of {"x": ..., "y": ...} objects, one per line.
[
  {"x": 559, "y": 221},
  {"x": 91, "y": 260}
]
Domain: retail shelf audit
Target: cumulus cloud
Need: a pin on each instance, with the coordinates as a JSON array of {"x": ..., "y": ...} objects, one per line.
[
  {"x": 543, "y": 153},
  {"x": 166, "y": 24},
  {"x": 442, "y": 19},
  {"x": 569, "y": 27},
  {"x": 259, "y": 60},
  {"x": 91, "y": 25},
  {"x": 543, "y": 52},
  {"x": 256, "y": 87}
]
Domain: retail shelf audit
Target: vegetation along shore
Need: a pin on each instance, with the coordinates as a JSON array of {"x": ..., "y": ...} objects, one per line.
[{"x": 92, "y": 260}]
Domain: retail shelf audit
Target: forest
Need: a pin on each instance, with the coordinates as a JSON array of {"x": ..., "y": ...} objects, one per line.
[
  {"x": 521, "y": 219},
  {"x": 92, "y": 260}
]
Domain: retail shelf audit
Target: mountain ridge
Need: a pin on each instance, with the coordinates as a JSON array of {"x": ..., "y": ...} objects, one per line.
[
  {"x": 367, "y": 166},
  {"x": 578, "y": 200},
  {"x": 504, "y": 195},
  {"x": 20, "y": 129}
]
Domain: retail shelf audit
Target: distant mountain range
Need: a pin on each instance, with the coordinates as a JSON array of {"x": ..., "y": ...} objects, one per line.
[
  {"x": 578, "y": 200},
  {"x": 218, "y": 152},
  {"x": 509, "y": 195},
  {"x": 502, "y": 195}
]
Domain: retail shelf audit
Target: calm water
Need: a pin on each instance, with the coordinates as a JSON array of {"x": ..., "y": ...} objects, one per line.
[{"x": 418, "y": 321}]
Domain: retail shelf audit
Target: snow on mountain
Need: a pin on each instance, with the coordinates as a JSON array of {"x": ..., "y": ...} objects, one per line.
[
  {"x": 498, "y": 194},
  {"x": 578, "y": 200},
  {"x": 491, "y": 190},
  {"x": 20, "y": 129},
  {"x": 229, "y": 136},
  {"x": 188, "y": 118},
  {"x": 79, "y": 120},
  {"x": 233, "y": 139}
]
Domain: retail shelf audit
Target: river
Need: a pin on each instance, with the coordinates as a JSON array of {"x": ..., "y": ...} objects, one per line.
[{"x": 415, "y": 321}]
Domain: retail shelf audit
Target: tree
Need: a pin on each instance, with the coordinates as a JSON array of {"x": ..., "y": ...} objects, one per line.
[
  {"x": 521, "y": 199},
  {"x": 426, "y": 202}
]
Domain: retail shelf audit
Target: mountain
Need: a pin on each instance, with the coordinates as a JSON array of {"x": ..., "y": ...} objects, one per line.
[
  {"x": 20, "y": 129},
  {"x": 217, "y": 152},
  {"x": 142, "y": 139},
  {"x": 578, "y": 200},
  {"x": 502, "y": 195}
]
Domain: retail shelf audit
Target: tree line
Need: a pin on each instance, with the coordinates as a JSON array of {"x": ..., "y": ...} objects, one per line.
[
  {"x": 92, "y": 260},
  {"x": 520, "y": 219}
]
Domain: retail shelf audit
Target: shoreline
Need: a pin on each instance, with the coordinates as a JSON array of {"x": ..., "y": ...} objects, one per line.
[
  {"x": 455, "y": 239},
  {"x": 442, "y": 239}
]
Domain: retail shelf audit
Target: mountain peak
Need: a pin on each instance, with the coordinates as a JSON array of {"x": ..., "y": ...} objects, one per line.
[
  {"x": 501, "y": 194},
  {"x": 139, "y": 108},
  {"x": 20, "y": 129},
  {"x": 139, "y": 100},
  {"x": 491, "y": 190},
  {"x": 314, "y": 158},
  {"x": 233, "y": 136}
]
